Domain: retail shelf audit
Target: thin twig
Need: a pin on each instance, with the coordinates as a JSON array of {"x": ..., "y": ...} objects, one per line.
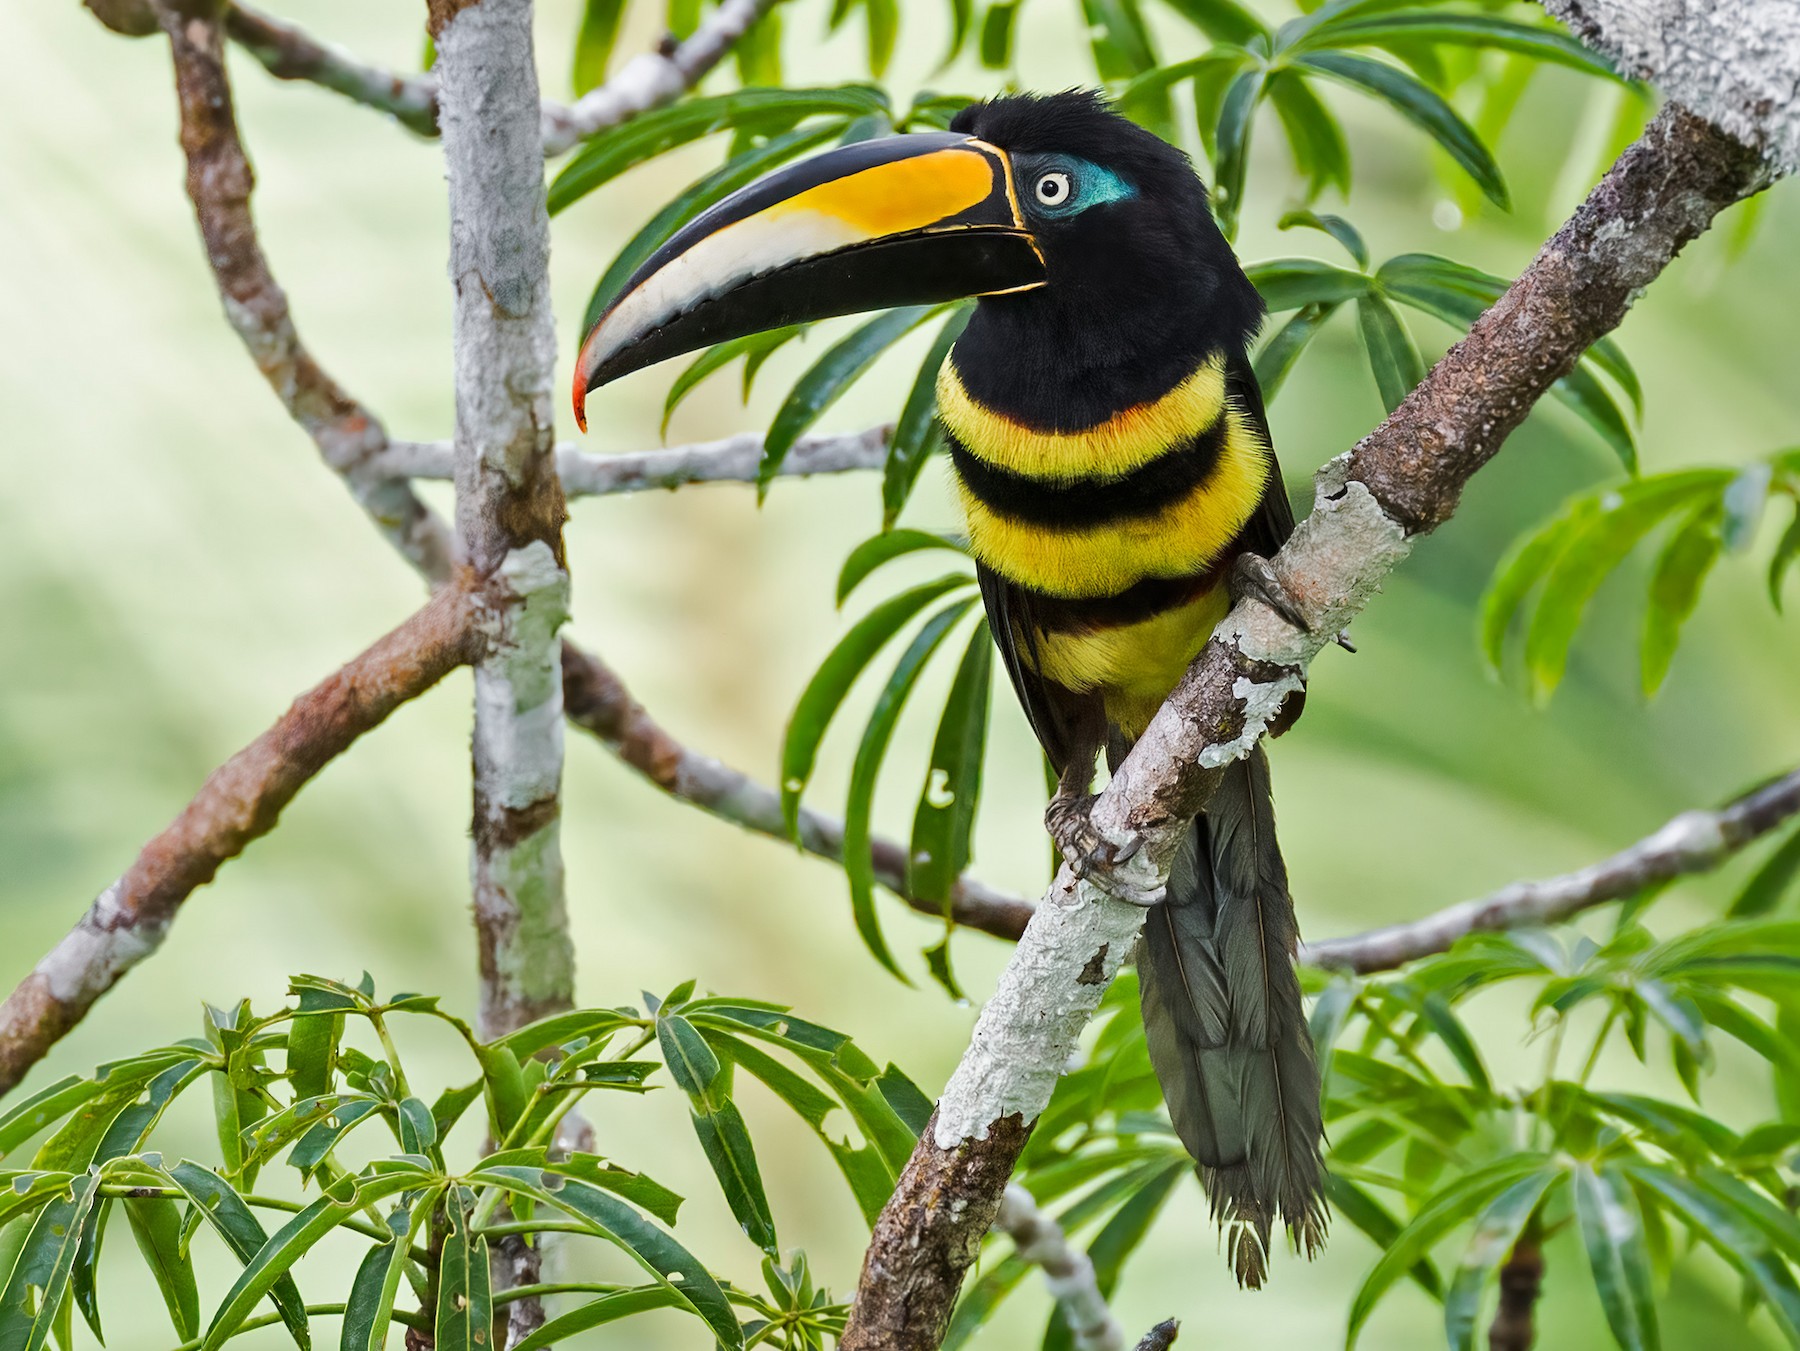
[
  {"x": 653, "y": 78},
  {"x": 1067, "y": 1271},
  {"x": 219, "y": 181},
  {"x": 735, "y": 459},
  {"x": 239, "y": 802},
  {"x": 289, "y": 53},
  {"x": 1695, "y": 841},
  {"x": 1402, "y": 480},
  {"x": 596, "y": 700}
]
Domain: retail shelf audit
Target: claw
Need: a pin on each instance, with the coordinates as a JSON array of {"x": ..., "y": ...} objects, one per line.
[{"x": 1251, "y": 575}]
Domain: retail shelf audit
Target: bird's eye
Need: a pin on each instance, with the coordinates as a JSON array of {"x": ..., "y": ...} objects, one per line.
[{"x": 1053, "y": 189}]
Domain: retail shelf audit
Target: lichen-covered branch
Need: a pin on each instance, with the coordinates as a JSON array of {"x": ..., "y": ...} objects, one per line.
[
  {"x": 734, "y": 459},
  {"x": 1068, "y": 1271},
  {"x": 596, "y": 700},
  {"x": 1735, "y": 63},
  {"x": 238, "y": 803},
  {"x": 653, "y": 78},
  {"x": 1403, "y": 479},
  {"x": 219, "y": 181},
  {"x": 1695, "y": 841},
  {"x": 509, "y": 504}
]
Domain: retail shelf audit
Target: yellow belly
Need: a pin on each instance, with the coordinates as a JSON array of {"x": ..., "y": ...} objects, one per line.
[{"x": 1133, "y": 666}]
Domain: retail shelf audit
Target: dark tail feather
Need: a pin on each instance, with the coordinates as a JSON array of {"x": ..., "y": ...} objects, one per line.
[{"x": 1226, "y": 1027}]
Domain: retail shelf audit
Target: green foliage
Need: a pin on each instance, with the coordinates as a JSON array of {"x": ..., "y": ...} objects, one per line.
[
  {"x": 1543, "y": 586},
  {"x": 425, "y": 1227}
]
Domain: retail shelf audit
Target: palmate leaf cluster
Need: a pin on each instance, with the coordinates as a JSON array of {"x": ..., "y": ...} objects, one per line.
[
  {"x": 1445, "y": 1165},
  {"x": 358, "y": 1158}
]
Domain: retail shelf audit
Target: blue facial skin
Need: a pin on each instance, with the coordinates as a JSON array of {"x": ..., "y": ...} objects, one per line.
[{"x": 1089, "y": 185}]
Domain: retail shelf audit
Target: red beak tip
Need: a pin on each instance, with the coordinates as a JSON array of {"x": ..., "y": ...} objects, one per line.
[{"x": 580, "y": 402}]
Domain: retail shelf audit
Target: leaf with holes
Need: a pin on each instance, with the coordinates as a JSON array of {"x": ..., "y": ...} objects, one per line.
[{"x": 916, "y": 433}]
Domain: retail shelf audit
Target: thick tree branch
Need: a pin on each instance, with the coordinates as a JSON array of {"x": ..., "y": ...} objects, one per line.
[
  {"x": 1735, "y": 63},
  {"x": 734, "y": 459},
  {"x": 596, "y": 700},
  {"x": 509, "y": 504},
  {"x": 1403, "y": 479},
  {"x": 219, "y": 181},
  {"x": 1693, "y": 842},
  {"x": 240, "y": 802},
  {"x": 1067, "y": 1271},
  {"x": 653, "y": 78}
]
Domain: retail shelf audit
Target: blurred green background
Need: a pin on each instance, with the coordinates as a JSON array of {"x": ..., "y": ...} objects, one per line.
[{"x": 175, "y": 565}]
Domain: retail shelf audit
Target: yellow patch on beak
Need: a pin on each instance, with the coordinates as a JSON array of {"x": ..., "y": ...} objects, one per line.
[{"x": 901, "y": 195}]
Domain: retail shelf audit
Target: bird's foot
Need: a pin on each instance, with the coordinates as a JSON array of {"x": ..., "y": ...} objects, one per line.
[
  {"x": 1252, "y": 576},
  {"x": 1070, "y": 822}
]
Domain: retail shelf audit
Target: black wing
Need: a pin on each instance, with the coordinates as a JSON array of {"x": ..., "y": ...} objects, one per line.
[
  {"x": 1268, "y": 529},
  {"x": 1066, "y": 724}
]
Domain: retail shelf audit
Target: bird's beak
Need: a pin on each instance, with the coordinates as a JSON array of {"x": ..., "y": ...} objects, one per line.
[{"x": 905, "y": 220}]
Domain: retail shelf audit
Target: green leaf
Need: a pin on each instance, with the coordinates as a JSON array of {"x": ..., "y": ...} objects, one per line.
[
  {"x": 823, "y": 694},
  {"x": 318, "y": 1142},
  {"x": 1289, "y": 283},
  {"x": 1613, "y": 1232},
  {"x": 767, "y": 112},
  {"x": 270, "y": 1264},
  {"x": 1681, "y": 570},
  {"x": 870, "y": 1178},
  {"x": 1315, "y": 137},
  {"x": 221, "y": 1206},
  {"x": 1221, "y": 20},
  {"x": 312, "y": 1053},
  {"x": 1607, "y": 533},
  {"x": 917, "y": 434},
  {"x": 884, "y": 27},
  {"x": 945, "y": 817},
  {"x": 369, "y": 1310},
  {"x": 1281, "y": 351},
  {"x": 1771, "y": 882},
  {"x": 1148, "y": 89},
  {"x": 156, "y": 1225},
  {"x": 880, "y": 549},
  {"x": 52, "y": 1103},
  {"x": 650, "y": 1247},
  {"x": 1393, "y": 357},
  {"x": 1362, "y": 1210},
  {"x": 1337, "y": 227},
  {"x": 691, "y": 1062},
  {"x": 82, "y": 1278},
  {"x": 725, "y": 1139},
  {"x": 1231, "y": 139},
  {"x": 1581, "y": 391},
  {"x": 1421, "y": 106},
  {"x": 1523, "y": 567},
  {"x": 758, "y": 53},
  {"x": 594, "y": 42},
  {"x": 859, "y": 861},
  {"x": 465, "y": 1297},
  {"x": 1496, "y": 1231},
  {"x": 1436, "y": 1011},
  {"x": 1469, "y": 30},
  {"x": 1461, "y": 1200},
  {"x": 44, "y": 1265},
  {"x": 1738, "y": 1240},
  {"x": 828, "y": 378},
  {"x": 995, "y": 47},
  {"x": 737, "y": 172},
  {"x": 1787, "y": 554},
  {"x": 598, "y": 1312},
  {"x": 759, "y": 345}
]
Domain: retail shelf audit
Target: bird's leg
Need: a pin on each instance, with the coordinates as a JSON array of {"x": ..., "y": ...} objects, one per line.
[
  {"x": 1069, "y": 817},
  {"x": 1252, "y": 575}
]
